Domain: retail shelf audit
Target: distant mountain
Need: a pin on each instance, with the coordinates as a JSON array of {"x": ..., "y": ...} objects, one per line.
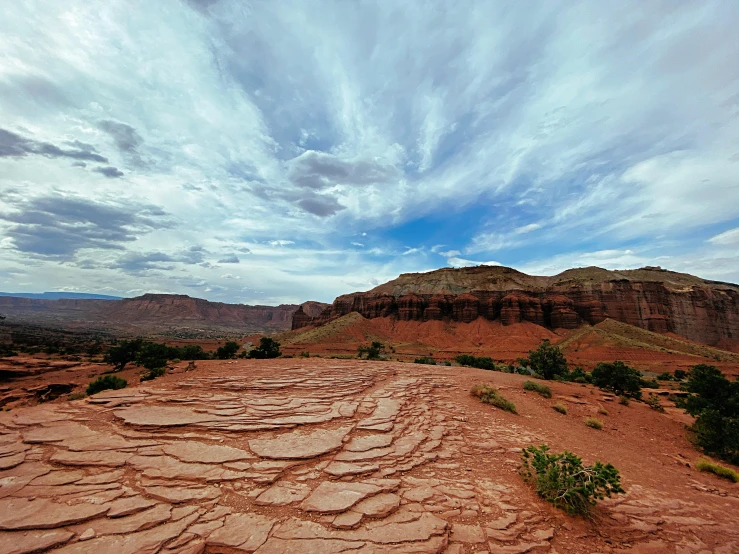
[
  {"x": 61, "y": 295},
  {"x": 173, "y": 315}
]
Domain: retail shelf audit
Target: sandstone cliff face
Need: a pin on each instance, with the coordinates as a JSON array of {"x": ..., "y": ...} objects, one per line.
[{"x": 650, "y": 298}]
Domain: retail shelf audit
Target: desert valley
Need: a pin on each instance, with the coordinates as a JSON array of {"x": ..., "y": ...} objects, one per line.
[{"x": 317, "y": 450}]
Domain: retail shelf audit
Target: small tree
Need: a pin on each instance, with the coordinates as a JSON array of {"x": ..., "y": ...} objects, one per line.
[
  {"x": 123, "y": 353},
  {"x": 563, "y": 480},
  {"x": 547, "y": 360},
  {"x": 152, "y": 355},
  {"x": 227, "y": 351},
  {"x": 714, "y": 401},
  {"x": 106, "y": 382},
  {"x": 268, "y": 348},
  {"x": 373, "y": 351},
  {"x": 617, "y": 377}
]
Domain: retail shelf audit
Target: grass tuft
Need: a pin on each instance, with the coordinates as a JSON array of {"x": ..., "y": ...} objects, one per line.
[
  {"x": 722, "y": 471},
  {"x": 488, "y": 395},
  {"x": 543, "y": 390},
  {"x": 594, "y": 423},
  {"x": 623, "y": 400},
  {"x": 561, "y": 408},
  {"x": 602, "y": 411}
]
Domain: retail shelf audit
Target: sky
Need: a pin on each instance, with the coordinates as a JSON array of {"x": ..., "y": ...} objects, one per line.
[{"x": 272, "y": 152}]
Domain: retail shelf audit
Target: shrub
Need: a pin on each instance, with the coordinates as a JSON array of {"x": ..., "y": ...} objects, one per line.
[
  {"x": 654, "y": 403},
  {"x": 578, "y": 375},
  {"x": 561, "y": 408},
  {"x": 106, "y": 382},
  {"x": 481, "y": 362},
  {"x": 547, "y": 360},
  {"x": 714, "y": 401},
  {"x": 602, "y": 411},
  {"x": 543, "y": 390},
  {"x": 665, "y": 377},
  {"x": 594, "y": 423},
  {"x": 372, "y": 351},
  {"x": 680, "y": 374},
  {"x": 623, "y": 400},
  {"x": 123, "y": 353},
  {"x": 305, "y": 354},
  {"x": 227, "y": 351},
  {"x": 268, "y": 348},
  {"x": 717, "y": 469},
  {"x": 563, "y": 480},
  {"x": 192, "y": 352},
  {"x": 77, "y": 396},
  {"x": 153, "y": 356},
  {"x": 617, "y": 377},
  {"x": 649, "y": 383},
  {"x": 489, "y": 395},
  {"x": 153, "y": 373},
  {"x": 425, "y": 360}
]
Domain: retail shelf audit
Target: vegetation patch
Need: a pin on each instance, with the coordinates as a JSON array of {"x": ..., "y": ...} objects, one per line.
[
  {"x": 602, "y": 411},
  {"x": 480, "y": 362},
  {"x": 543, "y": 390},
  {"x": 106, "y": 382},
  {"x": 371, "y": 352},
  {"x": 618, "y": 378},
  {"x": 714, "y": 401},
  {"x": 654, "y": 403},
  {"x": 489, "y": 395},
  {"x": 593, "y": 422},
  {"x": 547, "y": 361},
  {"x": 428, "y": 360},
  {"x": 563, "y": 480},
  {"x": 77, "y": 396},
  {"x": 268, "y": 348},
  {"x": 717, "y": 469},
  {"x": 561, "y": 408}
]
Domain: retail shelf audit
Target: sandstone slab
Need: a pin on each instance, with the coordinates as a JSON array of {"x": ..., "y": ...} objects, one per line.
[
  {"x": 42, "y": 513},
  {"x": 334, "y": 497},
  {"x": 245, "y": 532},
  {"x": 291, "y": 446}
]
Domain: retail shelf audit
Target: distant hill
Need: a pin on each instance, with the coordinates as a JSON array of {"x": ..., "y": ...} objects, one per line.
[
  {"x": 61, "y": 295},
  {"x": 172, "y": 315}
]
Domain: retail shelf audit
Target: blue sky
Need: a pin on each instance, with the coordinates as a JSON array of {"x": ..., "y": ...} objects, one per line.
[{"x": 268, "y": 152}]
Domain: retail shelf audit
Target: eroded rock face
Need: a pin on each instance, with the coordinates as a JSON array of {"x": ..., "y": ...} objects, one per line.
[{"x": 650, "y": 298}]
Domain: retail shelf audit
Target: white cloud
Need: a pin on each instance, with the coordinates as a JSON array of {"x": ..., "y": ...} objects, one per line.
[
  {"x": 527, "y": 228},
  {"x": 461, "y": 262},
  {"x": 449, "y": 253},
  {"x": 730, "y": 237}
]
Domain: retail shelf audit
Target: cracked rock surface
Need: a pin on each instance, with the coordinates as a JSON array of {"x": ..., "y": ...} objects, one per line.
[{"x": 314, "y": 456}]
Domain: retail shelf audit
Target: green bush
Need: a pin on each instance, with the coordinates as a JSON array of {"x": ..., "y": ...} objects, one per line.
[
  {"x": 649, "y": 383},
  {"x": 714, "y": 401},
  {"x": 654, "y": 403},
  {"x": 618, "y": 378},
  {"x": 153, "y": 373},
  {"x": 578, "y": 375},
  {"x": 227, "y": 351},
  {"x": 665, "y": 377},
  {"x": 425, "y": 360},
  {"x": 563, "y": 480},
  {"x": 594, "y": 423},
  {"x": 481, "y": 362},
  {"x": 543, "y": 390},
  {"x": 123, "y": 353},
  {"x": 105, "y": 382},
  {"x": 717, "y": 469},
  {"x": 561, "y": 408},
  {"x": 305, "y": 354},
  {"x": 680, "y": 374},
  {"x": 268, "y": 348},
  {"x": 547, "y": 360},
  {"x": 489, "y": 395}
]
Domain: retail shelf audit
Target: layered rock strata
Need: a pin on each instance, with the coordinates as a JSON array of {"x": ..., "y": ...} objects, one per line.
[{"x": 649, "y": 298}]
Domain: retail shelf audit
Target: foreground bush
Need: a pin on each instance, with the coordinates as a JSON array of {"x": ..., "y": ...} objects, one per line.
[
  {"x": 561, "y": 408},
  {"x": 654, "y": 403},
  {"x": 619, "y": 378},
  {"x": 714, "y": 401},
  {"x": 563, "y": 480},
  {"x": 153, "y": 373},
  {"x": 543, "y": 390},
  {"x": 547, "y": 360},
  {"x": 717, "y": 469},
  {"x": 106, "y": 382},
  {"x": 489, "y": 395}
]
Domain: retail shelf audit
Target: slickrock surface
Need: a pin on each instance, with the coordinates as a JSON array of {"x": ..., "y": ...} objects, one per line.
[{"x": 333, "y": 456}]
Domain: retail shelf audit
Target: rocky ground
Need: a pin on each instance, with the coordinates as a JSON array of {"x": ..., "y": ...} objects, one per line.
[{"x": 329, "y": 456}]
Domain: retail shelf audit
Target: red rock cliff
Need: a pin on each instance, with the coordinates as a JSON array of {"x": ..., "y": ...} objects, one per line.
[{"x": 651, "y": 298}]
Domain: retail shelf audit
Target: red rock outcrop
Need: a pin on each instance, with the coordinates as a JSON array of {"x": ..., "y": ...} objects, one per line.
[{"x": 651, "y": 298}]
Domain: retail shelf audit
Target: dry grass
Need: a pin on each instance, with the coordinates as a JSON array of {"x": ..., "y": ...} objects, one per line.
[
  {"x": 543, "y": 390},
  {"x": 561, "y": 408},
  {"x": 489, "y": 395},
  {"x": 724, "y": 472},
  {"x": 594, "y": 423},
  {"x": 602, "y": 411}
]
